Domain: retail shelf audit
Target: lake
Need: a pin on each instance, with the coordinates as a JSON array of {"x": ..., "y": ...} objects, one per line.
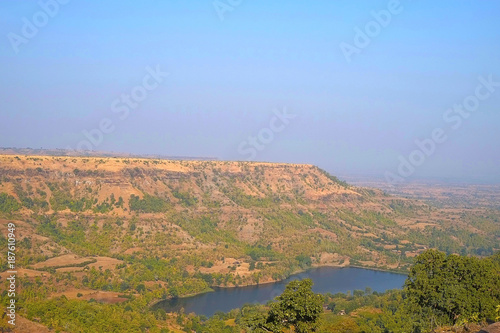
[{"x": 326, "y": 279}]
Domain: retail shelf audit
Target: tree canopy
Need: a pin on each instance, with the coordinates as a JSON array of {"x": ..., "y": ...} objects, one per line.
[
  {"x": 297, "y": 306},
  {"x": 447, "y": 289}
]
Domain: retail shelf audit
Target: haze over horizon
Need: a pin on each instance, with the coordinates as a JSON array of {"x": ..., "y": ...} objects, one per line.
[{"x": 253, "y": 80}]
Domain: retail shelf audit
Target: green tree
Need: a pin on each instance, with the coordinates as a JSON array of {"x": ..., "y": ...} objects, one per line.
[
  {"x": 297, "y": 306},
  {"x": 445, "y": 289},
  {"x": 8, "y": 203}
]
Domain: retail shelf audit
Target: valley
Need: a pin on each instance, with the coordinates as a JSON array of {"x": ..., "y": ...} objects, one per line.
[{"x": 112, "y": 230}]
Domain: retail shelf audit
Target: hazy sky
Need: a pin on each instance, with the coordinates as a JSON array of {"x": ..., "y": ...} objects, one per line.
[{"x": 355, "y": 83}]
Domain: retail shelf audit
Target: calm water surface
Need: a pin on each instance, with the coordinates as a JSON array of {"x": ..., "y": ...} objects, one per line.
[{"x": 326, "y": 279}]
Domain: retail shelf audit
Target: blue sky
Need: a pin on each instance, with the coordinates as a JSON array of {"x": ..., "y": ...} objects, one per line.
[{"x": 227, "y": 77}]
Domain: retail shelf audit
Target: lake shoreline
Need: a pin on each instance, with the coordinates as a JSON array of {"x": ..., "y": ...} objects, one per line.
[
  {"x": 308, "y": 269},
  {"x": 327, "y": 279},
  {"x": 213, "y": 288}
]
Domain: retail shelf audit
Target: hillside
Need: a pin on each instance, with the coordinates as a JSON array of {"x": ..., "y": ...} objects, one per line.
[
  {"x": 212, "y": 214},
  {"x": 113, "y": 228},
  {"x": 221, "y": 217}
]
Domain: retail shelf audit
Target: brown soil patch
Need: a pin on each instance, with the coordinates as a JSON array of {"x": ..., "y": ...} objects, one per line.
[
  {"x": 109, "y": 297},
  {"x": 132, "y": 250},
  {"x": 21, "y": 272},
  {"x": 24, "y": 325},
  {"x": 223, "y": 267},
  {"x": 105, "y": 263},
  {"x": 71, "y": 259},
  {"x": 69, "y": 269},
  {"x": 72, "y": 293},
  {"x": 332, "y": 259},
  {"x": 67, "y": 259}
]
